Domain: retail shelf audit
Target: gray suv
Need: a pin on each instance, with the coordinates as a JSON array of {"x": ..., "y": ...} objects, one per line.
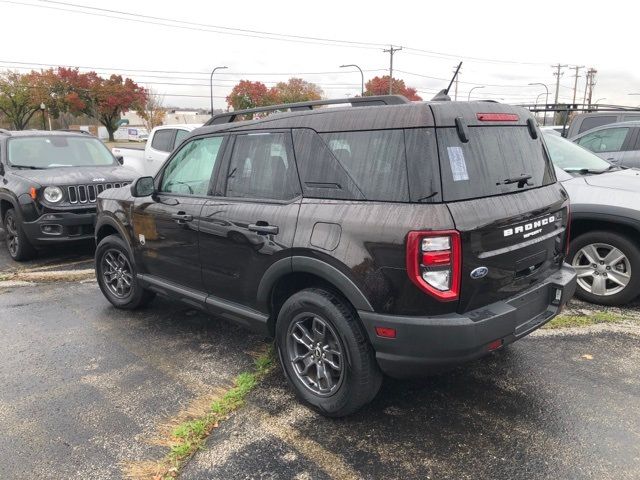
[{"x": 618, "y": 143}]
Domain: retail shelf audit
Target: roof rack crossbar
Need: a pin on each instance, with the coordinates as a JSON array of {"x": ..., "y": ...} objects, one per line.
[{"x": 376, "y": 100}]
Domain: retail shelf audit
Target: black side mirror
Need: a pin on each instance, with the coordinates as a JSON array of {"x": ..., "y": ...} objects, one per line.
[
  {"x": 120, "y": 159},
  {"x": 143, "y": 187}
]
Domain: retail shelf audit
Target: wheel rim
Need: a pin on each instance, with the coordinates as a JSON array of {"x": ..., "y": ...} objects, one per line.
[
  {"x": 316, "y": 354},
  {"x": 602, "y": 269},
  {"x": 11, "y": 232},
  {"x": 117, "y": 273}
]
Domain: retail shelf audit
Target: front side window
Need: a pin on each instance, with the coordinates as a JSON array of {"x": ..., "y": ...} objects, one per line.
[
  {"x": 163, "y": 140},
  {"x": 58, "y": 151},
  {"x": 262, "y": 167},
  {"x": 607, "y": 140},
  {"x": 189, "y": 171}
]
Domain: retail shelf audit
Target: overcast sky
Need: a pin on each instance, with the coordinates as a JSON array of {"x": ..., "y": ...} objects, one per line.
[{"x": 504, "y": 45}]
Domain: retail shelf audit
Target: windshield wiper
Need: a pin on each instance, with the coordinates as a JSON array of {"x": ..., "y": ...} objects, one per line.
[
  {"x": 29, "y": 167},
  {"x": 588, "y": 171},
  {"x": 522, "y": 180}
]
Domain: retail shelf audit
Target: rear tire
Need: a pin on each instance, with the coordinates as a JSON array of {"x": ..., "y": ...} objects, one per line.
[
  {"x": 116, "y": 275},
  {"x": 18, "y": 245},
  {"x": 604, "y": 260},
  {"x": 336, "y": 372}
]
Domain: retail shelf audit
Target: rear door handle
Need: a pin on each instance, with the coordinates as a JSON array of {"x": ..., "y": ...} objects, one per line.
[
  {"x": 264, "y": 229},
  {"x": 182, "y": 217}
]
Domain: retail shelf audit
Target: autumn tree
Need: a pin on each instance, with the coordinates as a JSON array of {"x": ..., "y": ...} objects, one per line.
[
  {"x": 296, "y": 90},
  {"x": 17, "y": 100},
  {"x": 152, "y": 110},
  {"x": 111, "y": 97},
  {"x": 247, "y": 94},
  {"x": 380, "y": 86},
  {"x": 64, "y": 90}
]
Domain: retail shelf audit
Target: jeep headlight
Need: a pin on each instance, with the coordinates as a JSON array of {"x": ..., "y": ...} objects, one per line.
[{"x": 53, "y": 194}]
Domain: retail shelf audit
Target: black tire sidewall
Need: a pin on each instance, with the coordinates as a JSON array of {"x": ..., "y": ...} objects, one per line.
[
  {"x": 624, "y": 244},
  {"x": 25, "y": 250},
  {"x": 135, "y": 298},
  {"x": 361, "y": 377}
]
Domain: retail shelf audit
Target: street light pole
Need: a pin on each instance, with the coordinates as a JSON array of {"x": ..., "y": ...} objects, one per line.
[
  {"x": 474, "y": 88},
  {"x": 42, "y": 109},
  {"x": 211, "y": 85},
  {"x": 361, "y": 76},
  {"x": 544, "y": 119}
]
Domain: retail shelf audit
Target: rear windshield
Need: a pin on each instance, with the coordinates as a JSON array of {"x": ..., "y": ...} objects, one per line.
[
  {"x": 58, "y": 151},
  {"x": 495, "y": 160}
]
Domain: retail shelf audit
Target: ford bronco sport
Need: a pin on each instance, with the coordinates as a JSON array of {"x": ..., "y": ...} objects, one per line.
[
  {"x": 49, "y": 183},
  {"x": 392, "y": 236}
]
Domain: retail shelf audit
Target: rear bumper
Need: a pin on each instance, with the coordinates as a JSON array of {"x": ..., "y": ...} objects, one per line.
[
  {"x": 60, "y": 227},
  {"x": 426, "y": 344}
]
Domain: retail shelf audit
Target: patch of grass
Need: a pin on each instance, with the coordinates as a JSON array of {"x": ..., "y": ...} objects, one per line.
[
  {"x": 566, "y": 321},
  {"x": 189, "y": 436}
]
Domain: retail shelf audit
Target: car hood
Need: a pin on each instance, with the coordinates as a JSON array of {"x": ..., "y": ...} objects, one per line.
[
  {"x": 78, "y": 175},
  {"x": 620, "y": 180}
]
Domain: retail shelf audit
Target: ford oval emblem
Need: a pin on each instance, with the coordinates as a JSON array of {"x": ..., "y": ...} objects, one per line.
[{"x": 479, "y": 272}]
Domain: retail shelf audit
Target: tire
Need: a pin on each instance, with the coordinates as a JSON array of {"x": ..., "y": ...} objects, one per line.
[
  {"x": 608, "y": 272},
  {"x": 18, "y": 245},
  {"x": 358, "y": 378},
  {"x": 116, "y": 275}
]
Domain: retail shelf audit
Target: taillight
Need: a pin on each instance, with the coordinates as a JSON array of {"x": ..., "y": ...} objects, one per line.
[
  {"x": 497, "y": 117},
  {"x": 434, "y": 261}
]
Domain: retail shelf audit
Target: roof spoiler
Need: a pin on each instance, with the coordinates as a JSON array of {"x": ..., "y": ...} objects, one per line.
[
  {"x": 443, "y": 95},
  {"x": 372, "y": 101}
]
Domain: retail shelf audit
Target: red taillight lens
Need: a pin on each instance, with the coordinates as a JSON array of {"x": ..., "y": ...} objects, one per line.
[
  {"x": 434, "y": 261},
  {"x": 386, "y": 332},
  {"x": 497, "y": 117}
]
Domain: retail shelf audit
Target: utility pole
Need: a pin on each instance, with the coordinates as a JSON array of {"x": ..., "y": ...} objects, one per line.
[
  {"x": 558, "y": 73},
  {"x": 391, "y": 51},
  {"x": 575, "y": 83},
  {"x": 591, "y": 74}
]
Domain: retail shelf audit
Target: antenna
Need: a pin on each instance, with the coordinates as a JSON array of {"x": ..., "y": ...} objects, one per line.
[{"x": 443, "y": 95}]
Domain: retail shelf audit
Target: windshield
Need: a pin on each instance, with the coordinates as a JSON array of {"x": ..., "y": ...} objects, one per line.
[
  {"x": 573, "y": 158},
  {"x": 58, "y": 151}
]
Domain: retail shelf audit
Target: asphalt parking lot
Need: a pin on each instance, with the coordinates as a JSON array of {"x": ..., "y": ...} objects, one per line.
[{"x": 89, "y": 392}]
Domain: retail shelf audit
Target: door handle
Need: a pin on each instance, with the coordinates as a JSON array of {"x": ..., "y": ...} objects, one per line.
[
  {"x": 264, "y": 229},
  {"x": 182, "y": 217}
]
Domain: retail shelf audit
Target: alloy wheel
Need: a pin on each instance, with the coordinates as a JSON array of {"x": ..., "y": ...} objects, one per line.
[
  {"x": 602, "y": 269},
  {"x": 117, "y": 273},
  {"x": 316, "y": 354},
  {"x": 11, "y": 233}
]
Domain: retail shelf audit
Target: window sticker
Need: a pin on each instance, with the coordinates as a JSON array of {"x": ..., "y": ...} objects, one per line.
[{"x": 458, "y": 164}]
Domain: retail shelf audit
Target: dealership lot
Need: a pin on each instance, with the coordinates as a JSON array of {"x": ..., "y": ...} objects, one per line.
[{"x": 89, "y": 390}]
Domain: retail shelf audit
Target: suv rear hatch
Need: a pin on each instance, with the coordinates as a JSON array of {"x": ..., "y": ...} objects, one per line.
[{"x": 501, "y": 190}]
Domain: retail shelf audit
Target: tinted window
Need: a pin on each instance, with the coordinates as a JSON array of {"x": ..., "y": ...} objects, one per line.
[
  {"x": 492, "y": 155},
  {"x": 163, "y": 140},
  {"x": 607, "y": 140},
  {"x": 422, "y": 164},
  {"x": 598, "y": 121},
  {"x": 321, "y": 174},
  {"x": 262, "y": 167},
  {"x": 375, "y": 160},
  {"x": 189, "y": 171},
  {"x": 180, "y": 135}
]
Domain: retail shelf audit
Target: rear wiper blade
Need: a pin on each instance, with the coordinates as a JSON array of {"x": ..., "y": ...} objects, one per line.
[
  {"x": 522, "y": 180},
  {"x": 585, "y": 171},
  {"x": 29, "y": 167}
]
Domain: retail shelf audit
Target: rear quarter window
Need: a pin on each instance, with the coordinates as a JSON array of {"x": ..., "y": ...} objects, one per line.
[{"x": 493, "y": 155}]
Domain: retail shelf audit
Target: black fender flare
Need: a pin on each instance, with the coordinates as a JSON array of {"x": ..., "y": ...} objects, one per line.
[
  {"x": 105, "y": 220},
  {"x": 315, "y": 267},
  {"x": 14, "y": 203}
]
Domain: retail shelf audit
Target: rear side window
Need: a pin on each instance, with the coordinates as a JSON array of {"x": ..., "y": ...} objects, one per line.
[
  {"x": 607, "y": 140},
  {"x": 490, "y": 161},
  {"x": 163, "y": 140},
  {"x": 598, "y": 121},
  {"x": 262, "y": 166},
  {"x": 375, "y": 160},
  {"x": 180, "y": 135}
]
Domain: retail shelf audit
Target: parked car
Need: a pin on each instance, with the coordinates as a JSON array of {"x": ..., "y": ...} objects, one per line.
[
  {"x": 364, "y": 239},
  {"x": 49, "y": 183},
  {"x": 618, "y": 143},
  {"x": 160, "y": 143},
  {"x": 583, "y": 122},
  {"x": 605, "y": 223}
]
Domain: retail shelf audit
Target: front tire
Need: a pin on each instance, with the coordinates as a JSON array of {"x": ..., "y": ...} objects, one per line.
[
  {"x": 17, "y": 242},
  {"x": 116, "y": 275},
  {"x": 608, "y": 267},
  {"x": 325, "y": 353}
]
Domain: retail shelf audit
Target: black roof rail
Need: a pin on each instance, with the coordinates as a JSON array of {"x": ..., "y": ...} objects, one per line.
[
  {"x": 374, "y": 100},
  {"x": 5, "y": 132}
]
